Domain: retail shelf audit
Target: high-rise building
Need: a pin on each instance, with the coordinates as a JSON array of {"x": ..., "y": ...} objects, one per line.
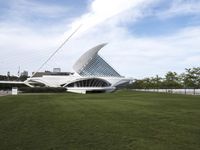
[
  {"x": 8, "y": 73},
  {"x": 56, "y": 69}
]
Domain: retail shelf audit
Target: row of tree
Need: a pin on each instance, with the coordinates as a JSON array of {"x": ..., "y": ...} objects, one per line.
[
  {"x": 190, "y": 79},
  {"x": 13, "y": 78}
]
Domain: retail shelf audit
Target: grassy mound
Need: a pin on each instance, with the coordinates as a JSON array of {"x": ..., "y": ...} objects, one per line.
[{"x": 118, "y": 121}]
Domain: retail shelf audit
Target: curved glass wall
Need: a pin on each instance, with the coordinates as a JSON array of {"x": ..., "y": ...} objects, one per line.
[{"x": 89, "y": 83}]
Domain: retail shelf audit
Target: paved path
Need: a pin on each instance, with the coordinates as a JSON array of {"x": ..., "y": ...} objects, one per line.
[{"x": 4, "y": 93}]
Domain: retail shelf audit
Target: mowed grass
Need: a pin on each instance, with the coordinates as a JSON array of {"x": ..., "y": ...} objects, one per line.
[{"x": 116, "y": 121}]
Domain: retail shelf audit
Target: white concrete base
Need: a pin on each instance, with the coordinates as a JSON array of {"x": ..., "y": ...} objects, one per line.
[{"x": 84, "y": 90}]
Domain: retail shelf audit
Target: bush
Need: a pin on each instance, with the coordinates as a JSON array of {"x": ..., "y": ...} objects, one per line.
[{"x": 42, "y": 90}]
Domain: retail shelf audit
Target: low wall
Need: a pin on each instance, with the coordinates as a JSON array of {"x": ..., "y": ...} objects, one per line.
[
  {"x": 4, "y": 92},
  {"x": 176, "y": 91}
]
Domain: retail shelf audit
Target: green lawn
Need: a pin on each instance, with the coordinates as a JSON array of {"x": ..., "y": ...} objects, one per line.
[{"x": 115, "y": 121}]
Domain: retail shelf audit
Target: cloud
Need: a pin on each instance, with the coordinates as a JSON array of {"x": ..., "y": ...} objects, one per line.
[
  {"x": 29, "y": 8},
  {"x": 181, "y": 7},
  {"x": 101, "y": 11},
  {"x": 29, "y": 46}
]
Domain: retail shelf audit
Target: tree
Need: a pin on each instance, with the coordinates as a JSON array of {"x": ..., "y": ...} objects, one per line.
[
  {"x": 156, "y": 82},
  {"x": 23, "y": 78},
  {"x": 138, "y": 84},
  {"x": 171, "y": 80},
  {"x": 183, "y": 80},
  {"x": 193, "y": 78},
  {"x": 147, "y": 83}
]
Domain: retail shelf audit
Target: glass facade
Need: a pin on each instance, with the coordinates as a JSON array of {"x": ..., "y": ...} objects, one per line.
[
  {"x": 98, "y": 67},
  {"x": 89, "y": 83}
]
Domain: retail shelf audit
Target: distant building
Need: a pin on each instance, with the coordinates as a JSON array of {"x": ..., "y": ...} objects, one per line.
[
  {"x": 8, "y": 73},
  {"x": 46, "y": 73},
  {"x": 24, "y": 73},
  {"x": 56, "y": 69}
]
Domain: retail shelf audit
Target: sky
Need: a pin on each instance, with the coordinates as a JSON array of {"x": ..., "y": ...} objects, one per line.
[{"x": 145, "y": 37}]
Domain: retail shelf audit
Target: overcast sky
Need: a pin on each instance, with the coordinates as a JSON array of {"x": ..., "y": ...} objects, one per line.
[{"x": 146, "y": 37}]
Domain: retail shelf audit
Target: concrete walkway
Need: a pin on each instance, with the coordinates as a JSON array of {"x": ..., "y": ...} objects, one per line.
[{"x": 5, "y": 93}]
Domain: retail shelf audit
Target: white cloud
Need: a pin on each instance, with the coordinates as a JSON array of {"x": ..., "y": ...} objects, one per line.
[
  {"x": 131, "y": 55},
  {"x": 25, "y": 8},
  {"x": 102, "y": 10},
  {"x": 181, "y": 7}
]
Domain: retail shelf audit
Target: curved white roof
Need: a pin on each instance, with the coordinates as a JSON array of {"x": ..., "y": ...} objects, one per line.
[
  {"x": 91, "y": 64},
  {"x": 87, "y": 56}
]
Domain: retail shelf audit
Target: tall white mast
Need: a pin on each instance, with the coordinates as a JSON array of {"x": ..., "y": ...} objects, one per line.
[{"x": 56, "y": 51}]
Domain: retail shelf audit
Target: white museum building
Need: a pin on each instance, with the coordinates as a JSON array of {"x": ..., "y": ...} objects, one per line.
[{"x": 91, "y": 74}]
